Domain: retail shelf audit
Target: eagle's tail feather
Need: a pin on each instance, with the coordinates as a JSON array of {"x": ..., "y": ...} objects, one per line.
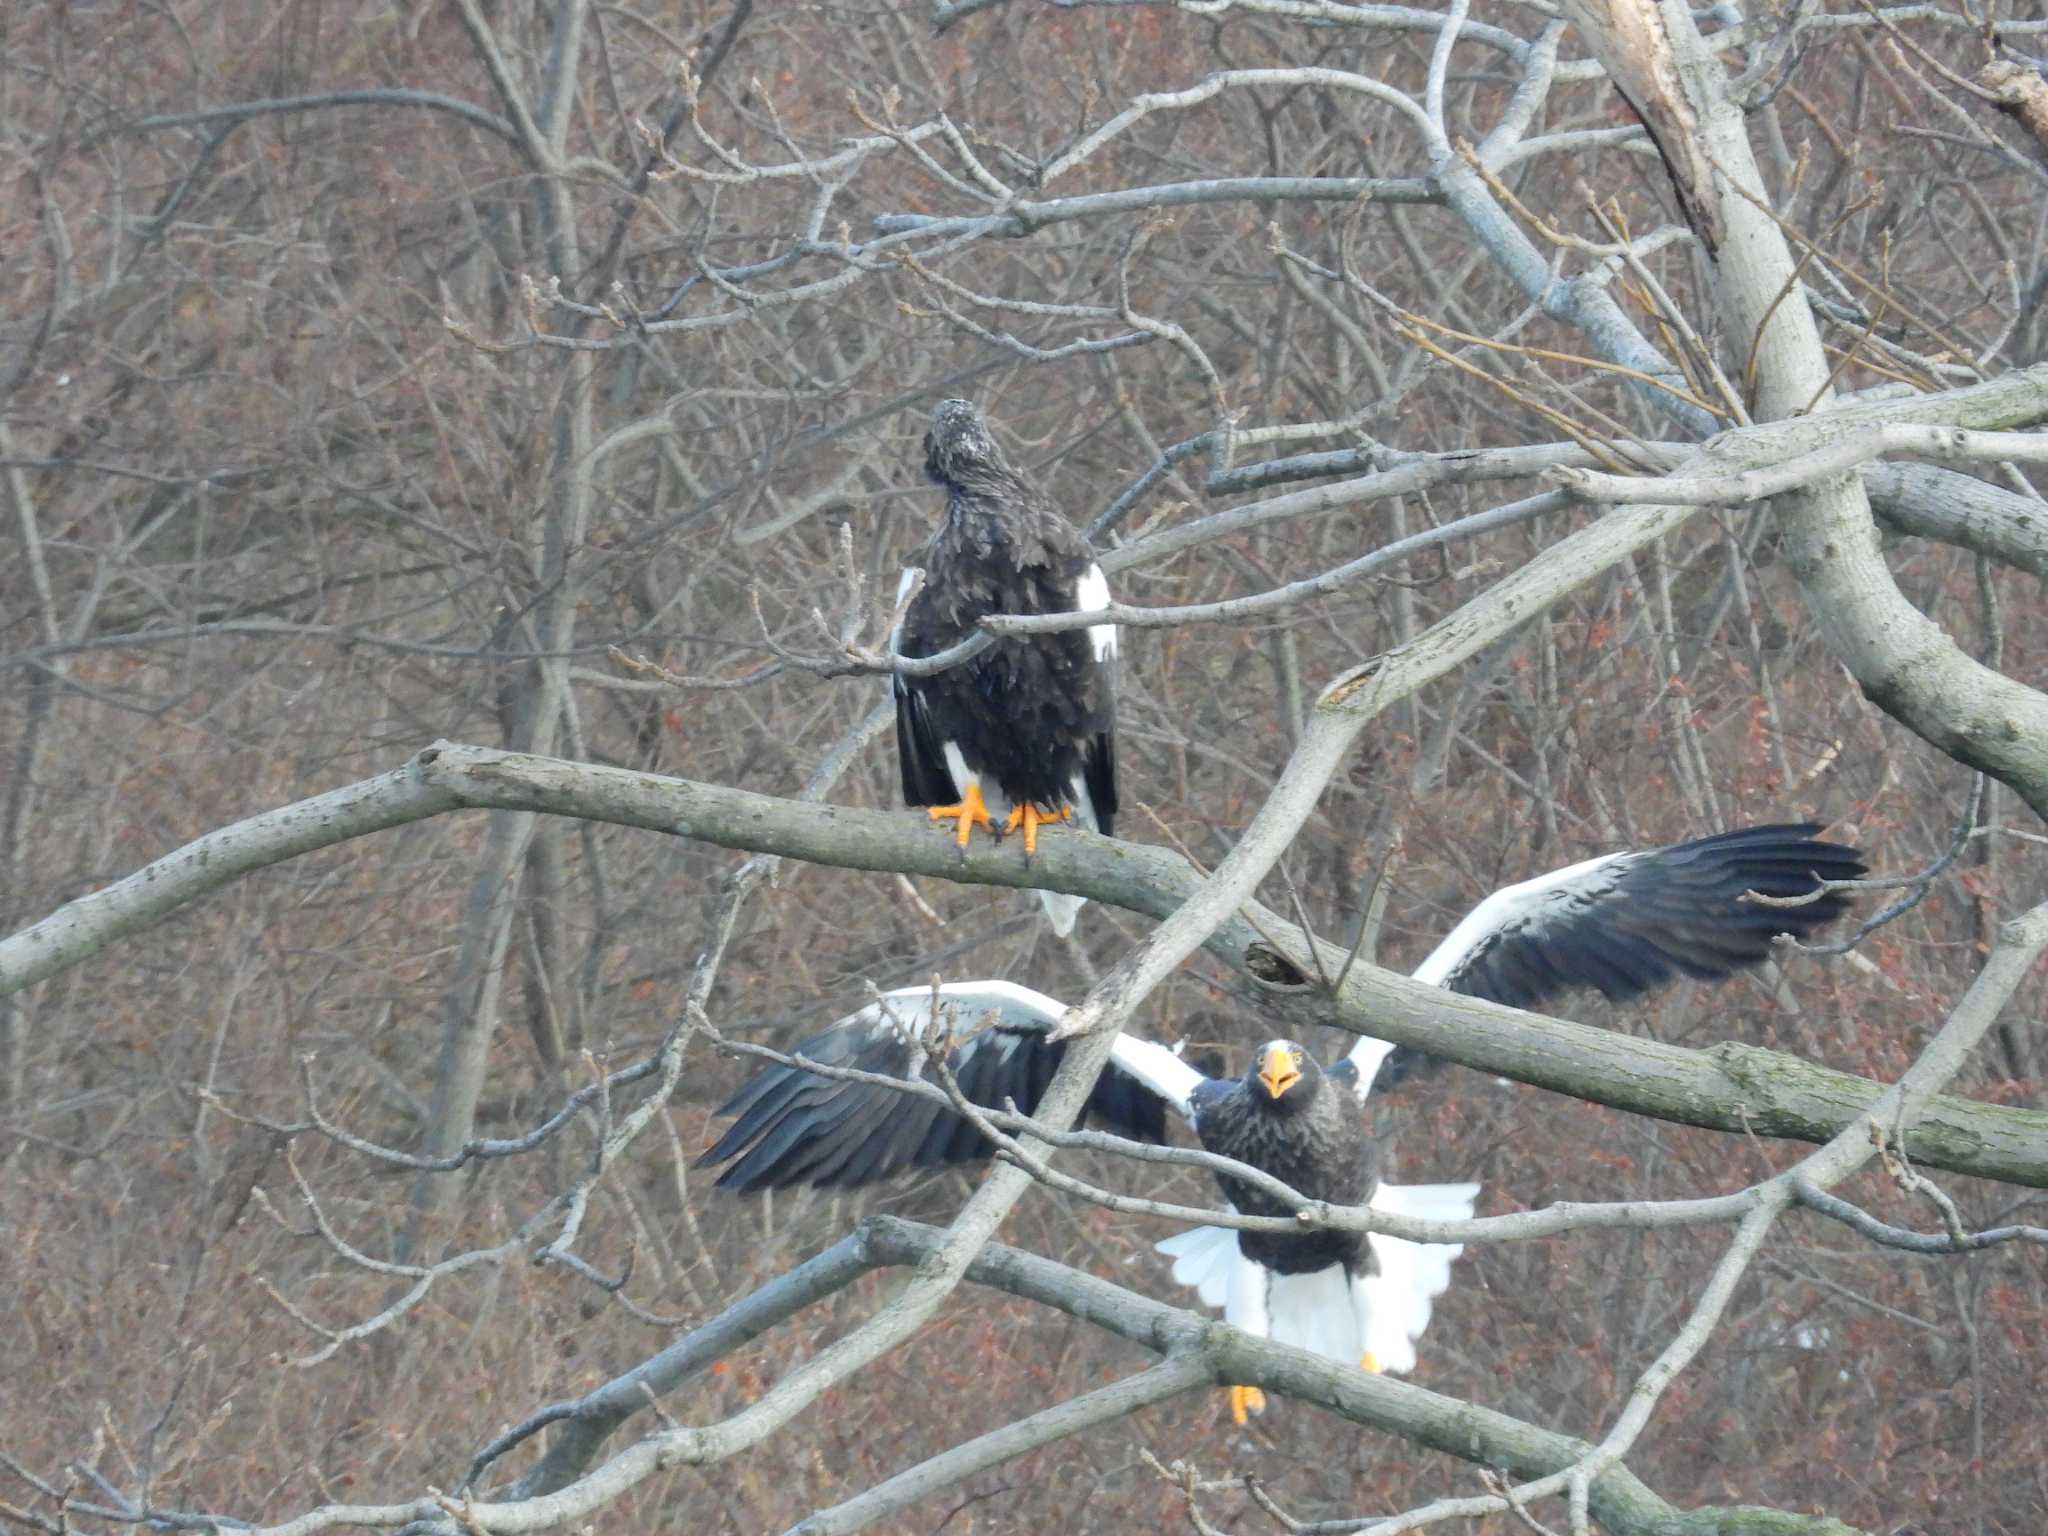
[
  {"x": 1202, "y": 1257},
  {"x": 1315, "y": 1310},
  {"x": 1397, "y": 1299},
  {"x": 1062, "y": 910}
]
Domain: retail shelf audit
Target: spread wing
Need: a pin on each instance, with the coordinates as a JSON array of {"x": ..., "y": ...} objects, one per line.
[
  {"x": 1628, "y": 922},
  {"x": 795, "y": 1127}
]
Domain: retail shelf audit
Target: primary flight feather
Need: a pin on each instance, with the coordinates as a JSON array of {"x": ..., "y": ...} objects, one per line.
[{"x": 1622, "y": 923}]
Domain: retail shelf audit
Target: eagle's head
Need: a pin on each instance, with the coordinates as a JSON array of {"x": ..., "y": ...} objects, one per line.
[
  {"x": 1284, "y": 1078},
  {"x": 959, "y": 451}
]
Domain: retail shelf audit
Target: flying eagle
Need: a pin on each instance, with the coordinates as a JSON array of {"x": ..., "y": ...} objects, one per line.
[
  {"x": 1349, "y": 1296},
  {"x": 1025, "y": 730},
  {"x": 1623, "y": 924}
]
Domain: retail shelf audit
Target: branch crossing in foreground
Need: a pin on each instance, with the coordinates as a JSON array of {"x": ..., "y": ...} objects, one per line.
[{"x": 1729, "y": 1087}]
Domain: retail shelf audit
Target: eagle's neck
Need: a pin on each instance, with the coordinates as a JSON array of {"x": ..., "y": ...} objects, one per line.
[{"x": 996, "y": 516}]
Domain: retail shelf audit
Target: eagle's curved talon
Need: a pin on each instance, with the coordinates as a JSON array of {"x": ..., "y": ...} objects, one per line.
[
  {"x": 971, "y": 812},
  {"x": 1244, "y": 1402},
  {"x": 1031, "y": 818}
]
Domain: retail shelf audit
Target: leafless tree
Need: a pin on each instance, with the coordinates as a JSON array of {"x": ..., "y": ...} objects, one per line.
[{"x": 1511, "y": 432}]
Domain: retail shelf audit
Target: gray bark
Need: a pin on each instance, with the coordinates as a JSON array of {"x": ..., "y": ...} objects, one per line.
[
  {"x": 1904, "y": 662},
  {"x": 1732, "y": 1087},
  {"x": 1494, "y": 1440},
  {"x": 1927, "y": 502}
]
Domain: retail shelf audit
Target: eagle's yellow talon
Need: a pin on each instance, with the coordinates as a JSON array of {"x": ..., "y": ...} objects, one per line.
[
  {"x": 1031, "y": 818},
  {"x": 971, "y": 812},
  {"x": 1244, "y": 1402},
  {"x": 1371, "y": 1362}
]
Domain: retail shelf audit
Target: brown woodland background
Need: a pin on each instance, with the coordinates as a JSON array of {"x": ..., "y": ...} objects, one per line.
[{"x": 288, "y": 501}]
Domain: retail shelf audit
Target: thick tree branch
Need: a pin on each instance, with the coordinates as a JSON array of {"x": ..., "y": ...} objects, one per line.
[
  {"x": 1905, "y": 663},
  {"x": 1848, "y": 452},
  {"x": 1177, "y": 1373},
  {"x": 587, "y": 1422},
  {"x": 1384, "y": 1403},
  {"x": 1927, "y": 502},
  {"x": 1731, "y": 1087}
]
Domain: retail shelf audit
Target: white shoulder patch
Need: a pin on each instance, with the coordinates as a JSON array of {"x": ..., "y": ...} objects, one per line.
[
  {"x": 1366, "y": 1056},
  {"x": 1091, "y": 593},
  {"x": 1508, "y": 907},
  {"x": 903, "y": 586},
  {"x": 1157, "y": 1068},
  {"x": 1019, "y": 1007}
]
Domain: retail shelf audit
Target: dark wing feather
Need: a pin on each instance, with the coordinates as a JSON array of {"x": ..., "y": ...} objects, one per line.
[
  {"x": 1098, "y": 752},
  {"x": 1647, "y": 918},
  {"x": 926, "y": 778},
  {"x": 791, "y": 1126},
  {"x": 1098, "y": 763},
  {"x": 1635, "y": 921},
  {"x": 1098, "y": 756},
  {"x": 920, "y": 754}
]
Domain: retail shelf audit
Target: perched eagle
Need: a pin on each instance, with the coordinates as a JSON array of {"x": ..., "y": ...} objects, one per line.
[
  {"x": 1623, "y": 924},
  {"x": 1025, "y": 730}
]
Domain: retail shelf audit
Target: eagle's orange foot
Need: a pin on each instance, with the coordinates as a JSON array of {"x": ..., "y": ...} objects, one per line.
[
  {"x": 971, "y": 812},
  {"x": 1371, "y": 1362},
  {"x": 1244, "y": 1402},
  {"x": 1031, "y": 818}
]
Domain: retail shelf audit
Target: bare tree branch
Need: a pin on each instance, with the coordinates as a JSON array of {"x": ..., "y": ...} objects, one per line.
[
  {"x": 1207, "y": 1351},
  {"x": 236, "y": 112},
  {"x": 1731, "y": 1087}
]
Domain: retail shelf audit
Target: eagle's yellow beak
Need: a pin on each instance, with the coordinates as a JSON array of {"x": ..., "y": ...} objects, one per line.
[{"x": 1280, "y": 1071}]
